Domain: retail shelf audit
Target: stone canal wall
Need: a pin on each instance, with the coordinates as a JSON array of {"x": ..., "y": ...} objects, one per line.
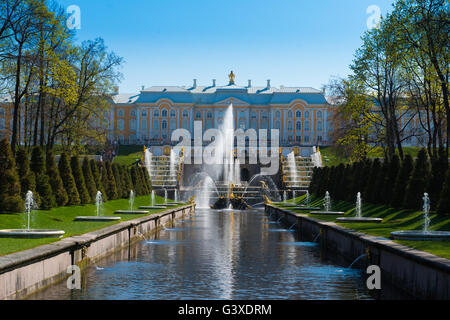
[
  {"x": 25, "y": 272},
  {"x": 420, "y": 274}
]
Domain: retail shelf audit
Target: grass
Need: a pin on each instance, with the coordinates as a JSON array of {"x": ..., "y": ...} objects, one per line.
[
  {"x": 128, "y": 155},
  {"x": 62, "y": 219},
  {"x": 332, "y": 157},
  {"x": 393, "y": 220}
]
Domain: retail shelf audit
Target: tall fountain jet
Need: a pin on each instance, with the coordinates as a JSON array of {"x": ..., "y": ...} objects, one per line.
[
  {"x": 227, "y": 130},
  {"x": 148, "y": 162}
]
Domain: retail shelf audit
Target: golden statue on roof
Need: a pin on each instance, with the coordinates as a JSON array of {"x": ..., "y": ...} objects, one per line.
[{"x": 231, "y": 76}]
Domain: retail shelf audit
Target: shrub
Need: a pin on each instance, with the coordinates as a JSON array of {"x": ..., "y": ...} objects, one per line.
[
  {"x": 79, "y": 180},
  {"x": 26, "y": 176},
  {"x": 121, "y": 192},
  {"x": 443, "y": 206},
  {"x": 55, "y": 180},
  {"x": 389, "y": 180},
  {"x": 68, "y": 180},
  {"x": 10, "y": 200},
  {"x": 109, "y": 182},
  {"x": 377, "y": 195},
  {"x": 43, "y": 187},
  {"x": 97, "y": 177},
  {"x": 401, "y": 181},
  {"x": 89, "y": 179},
  {"x": 417, "y": 182},
  {"x": 438, "y": 168}
]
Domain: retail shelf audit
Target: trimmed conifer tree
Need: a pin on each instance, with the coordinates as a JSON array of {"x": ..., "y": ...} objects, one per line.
[
  {"x": 126, "y": 180},
  {"x": 401, "y": 182},
  {"x": 389, "y": 180},
  {"x": 79, "y": 180},
  {"x": 417, "y": 182},
  {"x": 377, "y": 191},
  {"x": 26, "y": 176},
  {"x": 121, "y": 193},
  {"x": 135, "y": 179},
  {"x": 109, "y": 182},
  {"x": 97, "y": 177},
  {"x": 146, "y": 181},
  {"x": 89, "y": 179},
  {"x": 443, "y": 207},
  {"x": 55, "y": 180},
  {"x": 69, "y": 182},
  {"x": 43, "y": 187},
  {"x": 438, "y": 168},
  {"x": 10, "y": 200},
  {"x": 371, "y": 180}
]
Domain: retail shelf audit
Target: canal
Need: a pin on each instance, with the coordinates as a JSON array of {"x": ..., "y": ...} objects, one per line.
[{"x": 217, "y": 255}]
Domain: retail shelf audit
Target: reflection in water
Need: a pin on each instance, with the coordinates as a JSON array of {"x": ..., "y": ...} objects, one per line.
[{"x": 217, "y": 255}]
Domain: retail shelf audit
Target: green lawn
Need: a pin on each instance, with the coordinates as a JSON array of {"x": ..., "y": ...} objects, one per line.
[
  {"x": 332, "y": 157},
  {"x": 62, "y": 219},
  {"x": 393, "y": 220},
  {"x": 128, "y": 159}
]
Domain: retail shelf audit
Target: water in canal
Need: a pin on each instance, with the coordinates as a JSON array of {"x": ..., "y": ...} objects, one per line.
[{"x": 217, "y": 255}]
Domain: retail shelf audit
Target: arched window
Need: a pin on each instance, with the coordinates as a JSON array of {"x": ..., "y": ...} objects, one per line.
[
  {"x": 173, "y": 124},
  {"x": 319, "y": 114},
  {"x": 155, "y": 124},
  {"x": 185, "y": 114},
  {"x": 298, "y": 114},
  {"x": 164, "y": 125},
  {"x": 209, "y": 115},
  {"x": 277, "y": 124},
  {"x": 144, "y": 124},
  {"x": 298, "y": 126},
  {"x": 133, "y": 113},
  {"x": 173, "y": 113},
  {"x": 290, "y": 114},
  {"x": 120, "y": 113},
  {"x": 164, "y": 113},
  {"x": 242, "y": 114},
  {"x": 133, "y": 124},
  {"x": 306, "y": 125},
  {"x": 253, "y": 115},
  {"x": 264, "y": 116},
  {"x": 198, "y": 114},
  {"x": 156, "y": 113},
  {"x": 307, "y": 114},
  {"x": 278, "y": 114},
  {"x": 144, "y": 113}
]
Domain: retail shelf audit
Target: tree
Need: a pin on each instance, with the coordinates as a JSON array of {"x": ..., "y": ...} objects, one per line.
[
  {"x": 377, "y": 195},
  {"x": 108, "y": 181},
  {"x": 370, "y": 191},
  {"x": 26, "y": 176},
  {"x": 68, "y": 180},
  {"x": 121, "y": 192},
  {"x": 55, "y": 180},
  {"x": 79, "y": 180},
  {"x": 389, "y": 180},
  {"x": 444, "y": 202},
  {"x": 438, "y": 167},
  {"x": 47, "y": 199},
  {"x": 89, "y": 179},
  {"x": 10, "y": 200},
  {"x": 401, "y": 181},
  {"x": 97, "y": 177},
  {"x": 417, "y": 182}
]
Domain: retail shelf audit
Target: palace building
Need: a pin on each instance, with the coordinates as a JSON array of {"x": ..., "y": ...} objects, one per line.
[{"x": 149, "y": 117}]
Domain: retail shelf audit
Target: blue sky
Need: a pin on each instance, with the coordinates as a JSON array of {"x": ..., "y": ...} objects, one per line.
[{"x": 171, "y": 42}]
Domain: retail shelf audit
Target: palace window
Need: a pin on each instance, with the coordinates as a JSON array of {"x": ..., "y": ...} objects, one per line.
[
  {"x": 185, "y": 114},
  {"x": 242, "y": 124},
  {"x": 156, "y": 113},
  {"x": 185, "y": 124},
  {"x": 120, "y": 124},
  {"x": 264, "y": 116},
  {"x": 278, "y": 114},
  {"x": 242, "y": 114},
  {"x": 133, "y": 124},
  {"x": 290, "y": 114},
  {"x": 253, "y": 115},
  {"x": 220, "y": 122},
  {"x": 209, "y": 115},
  {"x": 298, "y": 139},
  {"x": 133, "y": 113},
  {"x": 173, "y": 124},
  {"x": 289, "y": 125},
  {"x": 319, "y": 114},
  {"x": 164, "y": 113},
  {"x": 307, "y": 114},
  {"x": 319, "y": 139},
  {"x": 220, "y": 114},
  {"x": 306, "y": 125},
  {"x": 144, "y": 113},
  {"x": 2, "y": 111},
  {"x": 306, "y": 139},
  {"x": 319, "y": 125},
  {"x": 155, "y": 124},
  {"x": 164, "y": 125},
  {"x": 298, "y": 126},
  {"x": 144, "y": 124},
  {"x": 120, "y": 113},
  {"x": 198, "y": 114},
  {"x": 173, "y": 113},
  {"x": 277, "y": 124},
  {"x": 298, "y": 114}
]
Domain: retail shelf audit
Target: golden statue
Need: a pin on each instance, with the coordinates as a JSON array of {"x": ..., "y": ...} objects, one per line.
[
  {"x": 192, "y": 200},
  {"x": 263, "y": 185},
  {"x": 267, "y": 200},
  {"x": 231, "y": 77}
]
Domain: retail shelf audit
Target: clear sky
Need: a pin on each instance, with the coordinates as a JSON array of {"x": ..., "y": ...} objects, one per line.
[{"x": 171, "y": 42}]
